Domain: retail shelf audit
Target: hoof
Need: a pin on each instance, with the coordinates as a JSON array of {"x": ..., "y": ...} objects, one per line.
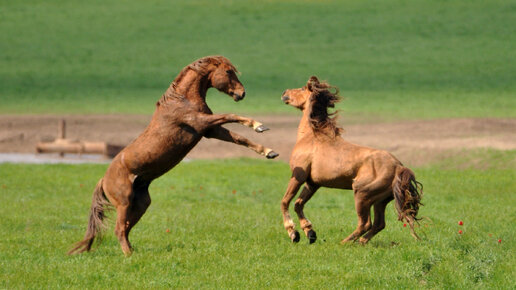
[
  {"x": 261, "y": 129},
  {"x": 295, "y": 237},
  {"x": 312, "y": 237},
  {"x": 272, "y": 155}
]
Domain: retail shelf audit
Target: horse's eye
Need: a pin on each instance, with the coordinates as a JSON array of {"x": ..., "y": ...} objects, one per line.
[{"x": 229, "y": 71}]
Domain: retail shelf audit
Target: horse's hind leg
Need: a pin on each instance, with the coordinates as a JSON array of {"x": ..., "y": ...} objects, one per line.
[
  {"x": 304, "y": 197},
  {"x": 379, "y": 220},
  {"x": 363, "y": 208},
  {"x": 140, "y": 202},
  {"x": 121, "y": 226},
  {"x": 130, "y": 212},
  {"x": 118, "y": 189}
]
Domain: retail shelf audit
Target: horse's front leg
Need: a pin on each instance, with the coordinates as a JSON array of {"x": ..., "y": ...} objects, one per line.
[
  {"x": 292, "y": 189},
  {"x": 224, "y": 134},
  {"x": 209, "y": 120},
  {"x": 304, "y": 197}
]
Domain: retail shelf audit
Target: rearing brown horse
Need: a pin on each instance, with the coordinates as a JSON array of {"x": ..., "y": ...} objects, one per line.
[
  {"x": 322, "y": 158},
  {"x": 181, "y": 119}
]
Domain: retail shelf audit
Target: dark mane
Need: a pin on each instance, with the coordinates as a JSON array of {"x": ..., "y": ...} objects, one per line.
[
  {"x": 201, "y": 66},
  {"x": 321, "y": 99}
]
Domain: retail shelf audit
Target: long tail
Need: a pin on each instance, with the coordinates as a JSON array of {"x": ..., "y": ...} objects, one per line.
[
  {"x": 95, "y": 224},
  {"x": 407, "y": 194}
]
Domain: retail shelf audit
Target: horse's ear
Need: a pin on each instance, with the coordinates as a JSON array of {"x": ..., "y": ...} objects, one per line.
[{"x": 312, "y": 81}]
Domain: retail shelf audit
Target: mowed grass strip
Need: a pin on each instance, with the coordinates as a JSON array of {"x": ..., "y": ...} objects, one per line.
[
  {"x": 416, "y": 59},
  {"x": 218, "y": 224}
]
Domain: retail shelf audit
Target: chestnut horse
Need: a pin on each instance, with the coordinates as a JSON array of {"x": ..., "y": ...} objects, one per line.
[
  {"x": 321, "y": 157},
  {"x": 180, "y": 120}
]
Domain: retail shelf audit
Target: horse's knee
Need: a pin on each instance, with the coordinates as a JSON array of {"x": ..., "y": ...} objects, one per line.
[
  {"x": 298, "y": 206},
  {"x": 284, "y": 205}
]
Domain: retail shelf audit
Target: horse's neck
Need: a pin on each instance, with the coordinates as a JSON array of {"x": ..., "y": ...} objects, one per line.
[
  {"x": 193, "y": 87},
  {"x": 304, "y": 127}
]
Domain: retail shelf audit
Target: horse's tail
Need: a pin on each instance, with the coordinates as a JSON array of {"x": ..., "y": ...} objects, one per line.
[
  {"x": 95, "y": 224},
  {"x": 407, "y": 194}
]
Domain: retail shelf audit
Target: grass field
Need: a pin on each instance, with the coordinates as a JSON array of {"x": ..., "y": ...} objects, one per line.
[
  {"x": 424, "y": 59},
  {"x": 225, "y": 231},
  {"x": 217, "y": 224}
]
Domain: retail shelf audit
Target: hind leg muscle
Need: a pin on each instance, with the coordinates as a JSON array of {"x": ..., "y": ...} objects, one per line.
[
  {"x": 141, "y": 201},
  {"x": 379, "y": 220},
  {"x": 363, "y": 209},
  {"x": 130, "y": 198}
]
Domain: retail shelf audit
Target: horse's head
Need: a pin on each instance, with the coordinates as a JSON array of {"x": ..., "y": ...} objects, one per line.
[
  {"x": 224, "y": 79},
  {"x": 300, "y": 97},
  {"x": 316, "y": 98},
  {"x": 222, "y": 75}
]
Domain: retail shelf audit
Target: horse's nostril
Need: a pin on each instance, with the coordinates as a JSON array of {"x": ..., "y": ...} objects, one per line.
[
  {"x": 285, "y": 98},
  {"x": 243, "y": 94}
]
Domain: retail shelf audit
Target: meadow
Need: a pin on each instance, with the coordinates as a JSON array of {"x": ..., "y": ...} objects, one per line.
[
  {"x": 217, "y": 224},
  {"x": 206, "y": 229},
  {"x": 417, "y": 59}
]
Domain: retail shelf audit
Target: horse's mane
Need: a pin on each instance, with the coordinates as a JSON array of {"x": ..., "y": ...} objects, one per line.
[
  {"x": 321, "y": 99},
  {"x": 201, "y": 66}
]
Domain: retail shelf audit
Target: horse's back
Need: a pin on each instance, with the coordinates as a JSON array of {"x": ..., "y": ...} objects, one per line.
[{"x": 339, "y": 163}]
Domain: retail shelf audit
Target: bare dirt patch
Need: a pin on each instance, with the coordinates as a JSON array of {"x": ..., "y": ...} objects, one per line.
[{"x": 413, "y": 142}]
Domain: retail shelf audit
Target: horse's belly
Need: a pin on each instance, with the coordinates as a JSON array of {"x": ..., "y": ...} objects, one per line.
[
  {"x": 332, "y": 175},
  {"x": 153, "y": 159},
  {"x": 333, "y": 182}
]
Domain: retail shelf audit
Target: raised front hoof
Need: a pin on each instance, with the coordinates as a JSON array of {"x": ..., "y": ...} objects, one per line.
[
  {"x": 312, "y": 237},
  {"x": 261, "y": 129},
  {"x": 272, "y": 155},
  {"x": 295, "y": 237}
]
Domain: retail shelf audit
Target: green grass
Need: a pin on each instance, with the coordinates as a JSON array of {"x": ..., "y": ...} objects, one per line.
[
  {"x": 221, "y": 239},
  {"x": 402, "y": 59}
]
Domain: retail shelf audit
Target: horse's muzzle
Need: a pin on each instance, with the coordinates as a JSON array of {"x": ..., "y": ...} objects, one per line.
[
  {"x": 238, "y": 97},
  {"x": 285, "y": 99}
]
